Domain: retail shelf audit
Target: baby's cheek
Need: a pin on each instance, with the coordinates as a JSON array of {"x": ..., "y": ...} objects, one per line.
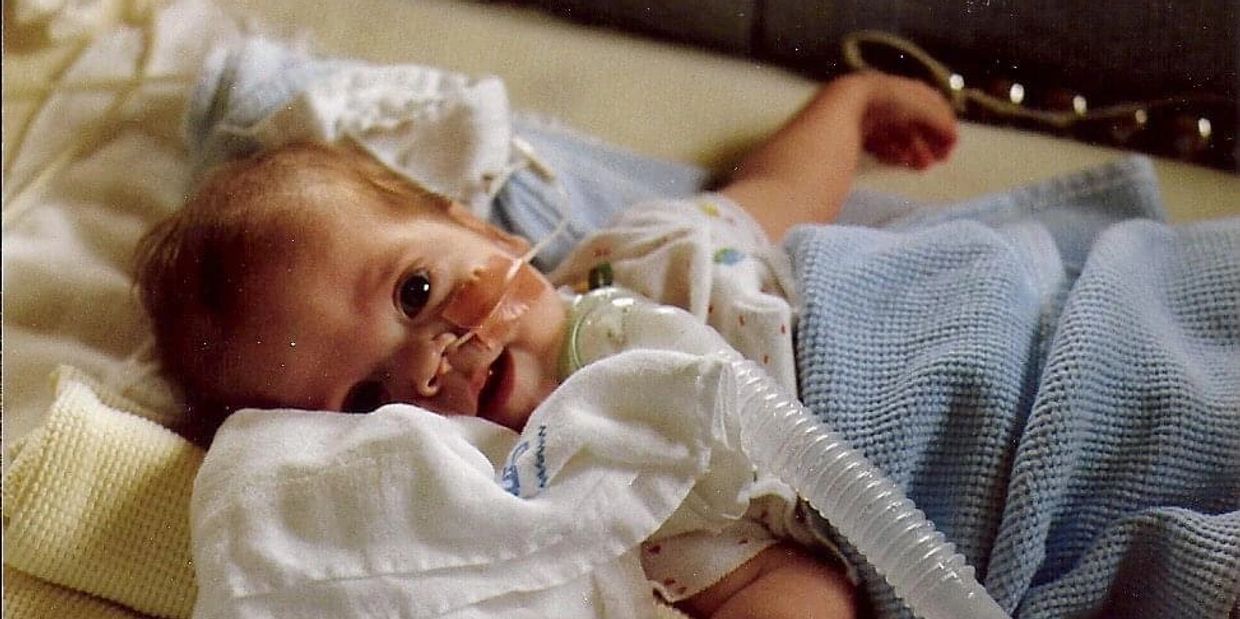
[
  {"x": 539, "y": 381},
  {"x": 553, "y": 325}
]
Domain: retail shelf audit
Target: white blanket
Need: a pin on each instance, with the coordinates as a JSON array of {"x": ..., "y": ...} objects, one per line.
[
  {"x": 99, "y": 162},
  {"x": 406, "y": 513}
]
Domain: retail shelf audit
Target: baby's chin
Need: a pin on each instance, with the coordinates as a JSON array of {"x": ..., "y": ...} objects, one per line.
[
  {"x": 536, "y": 380},
  {"x": 520, "y": 414}
]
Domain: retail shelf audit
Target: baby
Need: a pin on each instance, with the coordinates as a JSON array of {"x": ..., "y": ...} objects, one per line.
[{"x": 313, "y": 277}]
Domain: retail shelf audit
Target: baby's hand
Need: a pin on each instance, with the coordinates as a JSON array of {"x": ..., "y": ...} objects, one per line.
[{"x": 907, "y": 122}]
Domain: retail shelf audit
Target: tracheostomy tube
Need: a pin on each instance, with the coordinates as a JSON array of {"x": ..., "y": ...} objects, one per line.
[{"x": 780, "y": 435}]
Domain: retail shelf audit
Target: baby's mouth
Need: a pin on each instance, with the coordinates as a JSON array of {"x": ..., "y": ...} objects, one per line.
[{"x": 498, "y": 387}]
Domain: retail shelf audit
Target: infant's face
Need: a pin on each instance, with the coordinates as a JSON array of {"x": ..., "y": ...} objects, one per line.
[{"x": 355, "y": 320}]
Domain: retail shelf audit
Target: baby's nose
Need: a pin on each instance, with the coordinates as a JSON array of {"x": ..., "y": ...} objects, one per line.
[{"x": 430, "y": 363}]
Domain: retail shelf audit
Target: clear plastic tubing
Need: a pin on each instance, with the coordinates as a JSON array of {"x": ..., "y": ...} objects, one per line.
[{"x": 780, "y": 435}]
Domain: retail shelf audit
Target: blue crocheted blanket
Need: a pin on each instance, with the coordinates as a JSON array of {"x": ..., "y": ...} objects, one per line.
[{"x": 1053, "y": 375}]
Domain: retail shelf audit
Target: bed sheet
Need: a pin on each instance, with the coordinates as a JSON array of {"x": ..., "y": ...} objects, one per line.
[
  {"x": 616, "y": 86},
  {"x": 67, "y": 235}
]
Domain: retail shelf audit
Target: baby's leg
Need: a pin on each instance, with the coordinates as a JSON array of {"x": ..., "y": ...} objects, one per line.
[{"x": 781, "y": 582}]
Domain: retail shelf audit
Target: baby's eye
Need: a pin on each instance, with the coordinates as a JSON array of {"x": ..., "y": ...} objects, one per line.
[
  {"x": 414, "y": 293},
  {"x": 365, "y": 396}
]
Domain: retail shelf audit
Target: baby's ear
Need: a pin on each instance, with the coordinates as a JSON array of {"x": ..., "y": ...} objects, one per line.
[{"x": 511, "y": 243}]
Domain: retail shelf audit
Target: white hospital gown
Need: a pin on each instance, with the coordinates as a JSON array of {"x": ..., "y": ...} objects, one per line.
[{"x": 708, "y": 256}]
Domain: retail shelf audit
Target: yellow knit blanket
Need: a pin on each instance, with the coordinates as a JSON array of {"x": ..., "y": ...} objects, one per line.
[{"x": 96, "y": 511}]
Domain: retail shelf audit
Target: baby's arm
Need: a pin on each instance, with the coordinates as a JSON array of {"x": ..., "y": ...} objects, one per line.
[
  {"x": 803, "y": 172},
  {"x": 780, "y": 582}
]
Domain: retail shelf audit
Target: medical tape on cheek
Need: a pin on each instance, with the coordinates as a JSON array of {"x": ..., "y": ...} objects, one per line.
[{"x": 489, "y": 304}]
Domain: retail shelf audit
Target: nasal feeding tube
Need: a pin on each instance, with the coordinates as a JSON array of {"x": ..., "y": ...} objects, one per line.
[{"x": 488, "y": 305}]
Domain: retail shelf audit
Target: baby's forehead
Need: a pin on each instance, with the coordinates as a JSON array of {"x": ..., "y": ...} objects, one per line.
[
  {"x": 328, "y": 199},
  {"x": 317, "y": 191},
  {"x": 323, "y": 180}
]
